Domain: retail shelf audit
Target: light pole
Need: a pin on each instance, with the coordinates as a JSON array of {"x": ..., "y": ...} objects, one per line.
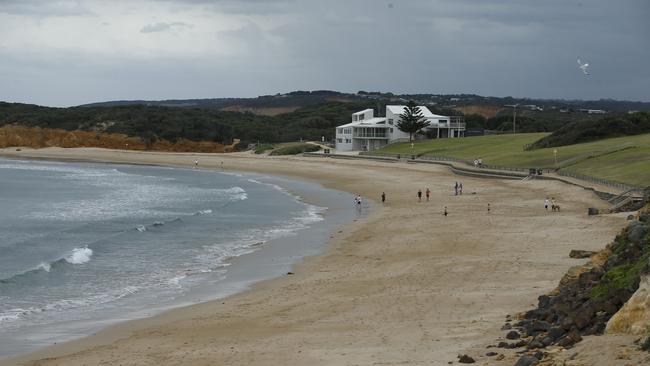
[{"x": 514, "y": 116}]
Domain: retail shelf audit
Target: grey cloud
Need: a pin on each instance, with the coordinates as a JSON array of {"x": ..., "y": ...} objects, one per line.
[
  {"x": 492, "y": 47},
  {"x": 162, "y": 27},
  {"x": 44, "y": 8}
]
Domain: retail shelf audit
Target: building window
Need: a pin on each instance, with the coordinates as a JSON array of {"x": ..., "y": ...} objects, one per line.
[
  {"x": 347, "y": 131},
  {"x": 361, "y": 117},
  {"x": 390, "y": 121},
  {"x": 339, "y": 130},
  {"x": 354, "y": 117},
  {"x": 442, "y": 121},
  {"x": 347, "y": 141},
  {"x": 339, "y": 140},
  {"x": 391, "y": 130}
]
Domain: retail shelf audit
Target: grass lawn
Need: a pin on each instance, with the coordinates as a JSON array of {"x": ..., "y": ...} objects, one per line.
[
  {"x": 623, "y": 159},
  {"x": 631, "y": 166}
]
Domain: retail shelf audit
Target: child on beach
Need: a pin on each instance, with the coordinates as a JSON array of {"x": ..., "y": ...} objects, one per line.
[
  {"x": 383, "y": 197},
  {"x": 419, "y": 195},
  {"x": 460, "y": 188},
  {"x": 445, "y": 213},
  {"x": 428, "y": 193},
  {"x": 546, "y": 203}
]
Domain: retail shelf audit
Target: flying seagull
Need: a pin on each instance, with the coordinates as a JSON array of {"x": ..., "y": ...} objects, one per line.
[{"x": 583, "y": 67}]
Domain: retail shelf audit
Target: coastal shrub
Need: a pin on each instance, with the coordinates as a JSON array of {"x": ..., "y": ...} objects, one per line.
[
  {"x": 262, "y": 148},
  {"x": 587, "y": 130},
  {"x": 645, "y": 346},
  {"x": 295, "y": 149},
  {"x": 625, "y": 276}
]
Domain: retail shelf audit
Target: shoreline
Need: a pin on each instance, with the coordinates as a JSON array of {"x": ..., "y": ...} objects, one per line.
[
  {"x": 272, "y": 260},
  {"x": 410, "y": 300}
]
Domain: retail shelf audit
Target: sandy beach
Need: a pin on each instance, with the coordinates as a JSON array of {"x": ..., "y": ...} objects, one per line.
[{"x": 403, "y": 286}]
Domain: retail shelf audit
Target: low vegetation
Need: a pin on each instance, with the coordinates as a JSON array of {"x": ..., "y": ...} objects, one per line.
[
  {"x": 261, "y": 149},
  {"x": 294, "y": 149}
]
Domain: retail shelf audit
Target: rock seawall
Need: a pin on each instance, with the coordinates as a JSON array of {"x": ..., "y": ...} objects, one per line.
[{"x": 610, "y": 293}]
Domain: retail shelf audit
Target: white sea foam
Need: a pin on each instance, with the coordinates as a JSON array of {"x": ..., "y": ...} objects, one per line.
[
  {"x": 15, "y": 314},
  {"x": 44, "y": 266},
  {"x": 141, "y": 228},
  {"x": 203, "y": 212},
  {"x": 79, "y": 255}
]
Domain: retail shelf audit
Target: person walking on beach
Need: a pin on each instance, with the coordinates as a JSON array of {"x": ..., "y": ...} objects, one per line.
[
  {"x": 480, "y": 162},
  {"x": 488, "y": 208},
  {"x": 460, "y": 188},
  {"x": 456, "y": 189},
  {"x": 428, "y": 193},
  {"x": 445, "y": 213},
  {"x": 546, "y": 203},
  {"x": 419, "y": 195},
  {"x": 383, "y": 197},
  {"x": 196, "y": 164}
]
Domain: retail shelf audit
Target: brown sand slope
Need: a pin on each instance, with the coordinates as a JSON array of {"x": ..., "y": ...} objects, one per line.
[
  {"x": 405, "y": 285},
  {"x": 35, "y": 137}
]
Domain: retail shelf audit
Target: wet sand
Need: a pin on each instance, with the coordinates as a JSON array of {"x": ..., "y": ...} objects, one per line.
[{"x": 404, "y": 285}]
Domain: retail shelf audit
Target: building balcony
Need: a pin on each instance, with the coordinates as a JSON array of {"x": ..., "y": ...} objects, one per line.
[
  {"x": 454, "y": 125},
  {"x": 378, "y": 136}
]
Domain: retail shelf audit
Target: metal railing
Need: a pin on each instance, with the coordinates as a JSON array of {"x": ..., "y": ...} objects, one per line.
[{"x": 605, "y": 182}]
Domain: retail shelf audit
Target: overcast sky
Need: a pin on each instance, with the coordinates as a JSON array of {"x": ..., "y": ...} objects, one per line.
[{"x": 70, "y": 52}]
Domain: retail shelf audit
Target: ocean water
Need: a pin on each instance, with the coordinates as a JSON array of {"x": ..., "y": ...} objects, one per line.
[{"x": 85, "y": 245}]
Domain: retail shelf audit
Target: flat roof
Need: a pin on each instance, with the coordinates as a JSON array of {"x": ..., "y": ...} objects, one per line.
[
  {"x": 363, "y": 111},
  {"x": 399, "y": 109},
  {"x": 371, "y": 122}
]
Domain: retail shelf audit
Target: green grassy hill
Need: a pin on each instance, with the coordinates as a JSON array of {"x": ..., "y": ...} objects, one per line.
[{"x": 622, "y": 159}]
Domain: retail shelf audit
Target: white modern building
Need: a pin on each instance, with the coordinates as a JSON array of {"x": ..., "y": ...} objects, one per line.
[{"x": 367, "y": 132}]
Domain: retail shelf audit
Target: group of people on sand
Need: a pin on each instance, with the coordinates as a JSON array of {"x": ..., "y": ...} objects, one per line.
[
  {"x": 427, "y": 194},
  {"x": 554, "y": 205},
  {"x": 478, "y": 163},
  {"x": 357, "y": 201}
]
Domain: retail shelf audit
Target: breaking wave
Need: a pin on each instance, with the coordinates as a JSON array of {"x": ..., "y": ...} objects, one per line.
[{"x": 75, "y": 256}]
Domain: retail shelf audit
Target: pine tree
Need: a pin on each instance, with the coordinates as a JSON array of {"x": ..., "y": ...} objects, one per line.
[{"x": 411, "y": 120}]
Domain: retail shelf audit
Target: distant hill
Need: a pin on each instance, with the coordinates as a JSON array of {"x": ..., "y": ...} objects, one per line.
[
  {"x": 466, "y": 103},
  {"x": 586, "y": 131},
  {"x": 269, "y": 105},
  {"x": 309, "y": 115},
  {"x": 153, "y": 122}
]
